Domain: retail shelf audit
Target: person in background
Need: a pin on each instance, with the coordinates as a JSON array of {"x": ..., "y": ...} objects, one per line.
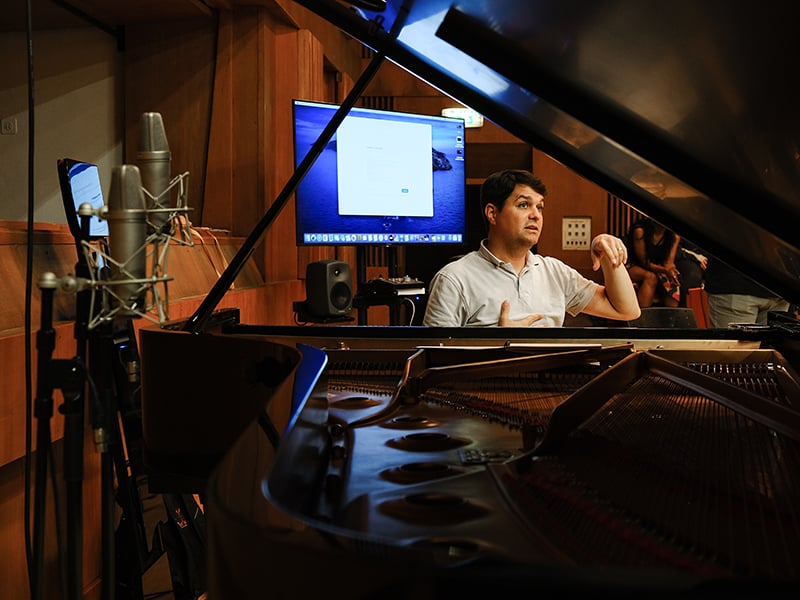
[
  {"x": 503, "y": 283},
  {"x": 653, "y": 249},
  {"x": 735, "y": 298},
  {"x": 691, "y": 264}
]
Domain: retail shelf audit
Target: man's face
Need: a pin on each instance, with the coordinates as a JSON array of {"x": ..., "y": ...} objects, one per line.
[{"x": 520, "y": 221}]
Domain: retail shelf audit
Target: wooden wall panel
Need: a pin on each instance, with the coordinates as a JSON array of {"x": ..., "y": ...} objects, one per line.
[
  {"x": 13, "y": 567},
  {"x": 217, "y": 206},
  {"x": 569, "y": 195},
  {"x": 280, "y": 248},
  {"x": 263, "y": 305},
  {"x": 54, "y": 251},
  {"x": 247, "y": 196},
  {"x": 342, "y": 51},
  {"x": 13, "y": 400},
  {"x": 343, "y": 85},
  {"x": 482, "y": 159},
  {"x": 169, "y": 68},
  {"x": 311, "y": 86}
]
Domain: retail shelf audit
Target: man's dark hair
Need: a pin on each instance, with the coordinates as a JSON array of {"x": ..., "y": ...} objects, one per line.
[{"x": 498, "y": 186}]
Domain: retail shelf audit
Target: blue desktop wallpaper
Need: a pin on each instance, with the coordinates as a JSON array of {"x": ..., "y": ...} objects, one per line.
[{"x": 318, "y": 220}]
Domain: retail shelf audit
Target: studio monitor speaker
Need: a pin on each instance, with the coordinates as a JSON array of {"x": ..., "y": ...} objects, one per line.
[{"x": 329, "y": 288}]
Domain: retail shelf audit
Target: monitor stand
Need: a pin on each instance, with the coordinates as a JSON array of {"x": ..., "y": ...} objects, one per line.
[{"x": 361, "y": 278}]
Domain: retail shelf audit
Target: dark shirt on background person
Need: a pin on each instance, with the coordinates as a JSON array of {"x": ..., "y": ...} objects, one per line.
[
  {"x": 736, "y": 298},
  {"x": 691, "y": 263},
  {"x": 651, "y": 262}
]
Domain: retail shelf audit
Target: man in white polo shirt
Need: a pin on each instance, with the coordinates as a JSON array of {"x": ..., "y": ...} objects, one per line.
[{"x": 504, "y": 283}]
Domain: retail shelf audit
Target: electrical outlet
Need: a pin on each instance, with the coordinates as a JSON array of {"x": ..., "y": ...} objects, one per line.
[
  {"x": 8, "y": 126},
  {"x": 576, "y": 233}
]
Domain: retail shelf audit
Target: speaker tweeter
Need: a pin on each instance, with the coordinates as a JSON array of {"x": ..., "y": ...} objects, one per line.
[{"x": 329, "y": 288}]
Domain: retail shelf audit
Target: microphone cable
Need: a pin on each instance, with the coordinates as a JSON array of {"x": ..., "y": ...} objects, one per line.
[{"x": 28, "y": 301}]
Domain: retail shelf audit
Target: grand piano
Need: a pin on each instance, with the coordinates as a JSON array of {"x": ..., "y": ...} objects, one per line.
[{"x": 400, "y": 462}]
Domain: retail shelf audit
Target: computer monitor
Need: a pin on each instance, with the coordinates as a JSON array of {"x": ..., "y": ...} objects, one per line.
[
  {"x": 385, "y": 178},
  {"x": 80, "y": 182}
]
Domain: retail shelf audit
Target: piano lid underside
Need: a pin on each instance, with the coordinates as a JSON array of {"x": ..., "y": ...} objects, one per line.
[{"x": 685, "y": 110}]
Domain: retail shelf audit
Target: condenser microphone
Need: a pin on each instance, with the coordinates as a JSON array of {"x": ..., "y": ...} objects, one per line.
[
  {"x": 155, "y": 163},
  {"x": 127, "y": 233}
]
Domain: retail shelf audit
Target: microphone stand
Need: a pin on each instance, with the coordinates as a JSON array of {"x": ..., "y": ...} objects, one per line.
[
  {"x": 43, "y": 411},
  {"x": 74, "y": 414},
  {"x": 102, "y": 413},
  {"x": 69, "y": 376},
  {"x": 113, "y": 353}
]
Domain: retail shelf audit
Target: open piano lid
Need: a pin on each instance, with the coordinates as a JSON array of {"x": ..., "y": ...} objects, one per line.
[{"x": 686, "y": 110}]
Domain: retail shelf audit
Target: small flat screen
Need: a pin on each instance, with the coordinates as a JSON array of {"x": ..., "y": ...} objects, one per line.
[{"x": 80, "y": 183}]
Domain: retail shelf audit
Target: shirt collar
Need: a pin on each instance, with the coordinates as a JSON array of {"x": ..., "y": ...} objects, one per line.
[
  {"x": 530, "y": 260},
  {"x": 485, "y": 253}
]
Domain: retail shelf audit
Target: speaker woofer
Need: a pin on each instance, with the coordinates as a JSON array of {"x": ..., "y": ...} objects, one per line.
[{"x": 329, "y": 289}]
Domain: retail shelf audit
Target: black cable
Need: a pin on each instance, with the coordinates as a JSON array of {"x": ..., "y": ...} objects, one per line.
[{"x": 28, "y": 293}]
